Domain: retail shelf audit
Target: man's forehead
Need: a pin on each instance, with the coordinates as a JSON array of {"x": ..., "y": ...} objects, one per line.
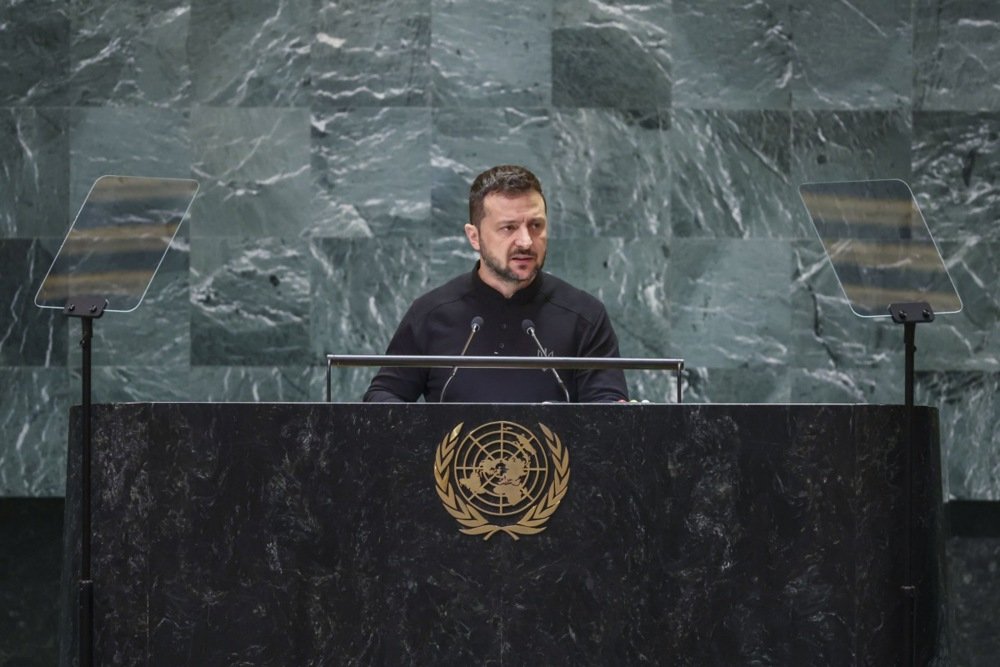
[{"x": 515, "y": 204}]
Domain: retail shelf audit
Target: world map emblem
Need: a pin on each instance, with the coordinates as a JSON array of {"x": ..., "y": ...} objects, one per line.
[{"x": 501, "y": 477}]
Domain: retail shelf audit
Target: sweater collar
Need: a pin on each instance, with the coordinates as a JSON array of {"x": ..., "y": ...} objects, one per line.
[{"x": 521, "y": 296}]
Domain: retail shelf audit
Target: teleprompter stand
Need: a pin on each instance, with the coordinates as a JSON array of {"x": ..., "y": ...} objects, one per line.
[
  {"x": 910, "y": 315},
  {"x": 888, "y": 265},
  {"x": 106, "y": 264}
]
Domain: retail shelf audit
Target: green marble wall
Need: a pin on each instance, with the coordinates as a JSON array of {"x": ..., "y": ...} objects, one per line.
[{"x": 334, "y": 142}]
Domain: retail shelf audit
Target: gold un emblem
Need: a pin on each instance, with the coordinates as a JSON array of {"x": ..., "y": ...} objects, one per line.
[{"x": 500, "y": 472}]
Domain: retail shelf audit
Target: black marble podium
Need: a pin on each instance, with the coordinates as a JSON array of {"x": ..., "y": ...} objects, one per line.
[{"x": 312, "y": 534}]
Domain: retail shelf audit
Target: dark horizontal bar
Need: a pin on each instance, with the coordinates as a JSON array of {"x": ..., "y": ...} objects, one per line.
[
  {"x": 976, "y": 519},
  {"x": 443, "y": 361}
]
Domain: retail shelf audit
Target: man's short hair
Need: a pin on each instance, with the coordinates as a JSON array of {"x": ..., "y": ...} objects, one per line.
[{"x": 506, "y": 179}]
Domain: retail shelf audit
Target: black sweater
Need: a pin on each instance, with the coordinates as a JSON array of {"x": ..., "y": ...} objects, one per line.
[{"x": 568, "y": 322}]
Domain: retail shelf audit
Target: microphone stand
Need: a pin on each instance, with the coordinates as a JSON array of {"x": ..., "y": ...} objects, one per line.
[
  {"x": 477, "y": 322},
  {"x": 529, "y": 328}
]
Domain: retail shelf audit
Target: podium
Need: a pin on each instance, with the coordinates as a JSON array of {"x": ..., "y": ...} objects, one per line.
[{"x": 316, "y": 534}]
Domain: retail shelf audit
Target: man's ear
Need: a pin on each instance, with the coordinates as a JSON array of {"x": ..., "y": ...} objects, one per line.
[{"x": 472, "y": 233}]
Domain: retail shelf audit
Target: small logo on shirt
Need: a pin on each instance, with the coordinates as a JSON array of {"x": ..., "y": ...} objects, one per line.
[{"x": 544, "y": 353}]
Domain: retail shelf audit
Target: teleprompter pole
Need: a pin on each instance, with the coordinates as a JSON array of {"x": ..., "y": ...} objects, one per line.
[
  {"x": 87, "y": 309},
  {"x": 909, "y": 315}
]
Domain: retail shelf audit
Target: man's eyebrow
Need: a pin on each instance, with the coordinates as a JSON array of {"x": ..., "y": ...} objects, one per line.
[{"x": 504, "y": 221}]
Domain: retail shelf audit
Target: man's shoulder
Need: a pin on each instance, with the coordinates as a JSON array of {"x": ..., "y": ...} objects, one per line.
[
  {"x": 565, "y": 295},
  {"x": 450, "y": 292}
]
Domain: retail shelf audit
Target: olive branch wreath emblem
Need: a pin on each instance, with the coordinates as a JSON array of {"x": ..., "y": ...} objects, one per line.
[{"x": 534, "y": 519}]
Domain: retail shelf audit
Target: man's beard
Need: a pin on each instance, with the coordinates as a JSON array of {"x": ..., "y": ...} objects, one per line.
[{"x": 506, "y": 274}]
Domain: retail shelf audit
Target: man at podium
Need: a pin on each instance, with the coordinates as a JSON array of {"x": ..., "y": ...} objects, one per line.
[{"x": 505, "y": 306}]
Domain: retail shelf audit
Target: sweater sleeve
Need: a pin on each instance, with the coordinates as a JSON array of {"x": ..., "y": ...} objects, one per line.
[
  {"x": 600, "y": 386},
  {"x": 399, "y": 385}
]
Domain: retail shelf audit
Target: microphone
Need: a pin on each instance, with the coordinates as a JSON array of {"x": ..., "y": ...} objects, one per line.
[
  {"x": 529, "y": 328},
  {"x": 475, "y": 325}
]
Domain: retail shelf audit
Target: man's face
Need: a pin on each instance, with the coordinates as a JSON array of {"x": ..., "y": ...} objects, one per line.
[{"x": 511, "y": 240}]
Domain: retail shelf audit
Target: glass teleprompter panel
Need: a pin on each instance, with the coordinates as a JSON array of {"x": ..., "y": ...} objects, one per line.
[
  {"x": 879, "y": 245},
  {"x": 117, "y": 242}
]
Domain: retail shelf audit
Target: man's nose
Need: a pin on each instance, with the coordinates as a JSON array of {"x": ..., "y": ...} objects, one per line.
[{"x": 523, "y": 237}]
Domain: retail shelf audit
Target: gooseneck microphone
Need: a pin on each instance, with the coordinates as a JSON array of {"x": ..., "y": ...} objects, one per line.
[
  {"x": 475, "y": 325},
  {"x": 529, "y": 328}
]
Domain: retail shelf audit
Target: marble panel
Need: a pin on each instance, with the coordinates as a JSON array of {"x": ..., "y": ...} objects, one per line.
[
  {"x": 956, "y": 168},
  {"x": 250, "y": 302},
  {"x": 34, "y": 53},
  {"x": 974, "y": 590},
  {"x": 34, "y": 172},
  {"x": 33, "y": 426},
  {"x": 847, "y": 385},
  {"x": 130, "y": 53},
  {"x": 371, "y": 53},
  {"x": 852, "y": 55},
  {"x": 847, "y": 146},
  {"x": 611, "y": 172},
  {"x": 288, "y": 384},
  {"x": 253, "y": 165},
  {"x": 956, "y": 54},
  {"x": 970, "y": 430},
  {"x": 252, "y": 54},
  {"x": 30, "y": 562},
  {"x": 850, "y": 145},
  {"x": 468, "y": 141},
  {"x": 157, "y": 333},
  {"x": 732, "y": 55},
  {"x": 126, "y": 141},
  {"x": 973, "y": 557},
  {"x": 729, "y": 302},
  {"x": 748, "y": 384},
  {"x": 731, "y": 178},
  {"x": 135, "y": 384},
  {"x": 969, "y": 340},
  {"x": 611, "y": 55},
  {"x": 487, "y": 53},
  {"x": 360, "y": 290},
  {"x": 371, "y": 172},
  {"x": 29, "y": 335}
]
